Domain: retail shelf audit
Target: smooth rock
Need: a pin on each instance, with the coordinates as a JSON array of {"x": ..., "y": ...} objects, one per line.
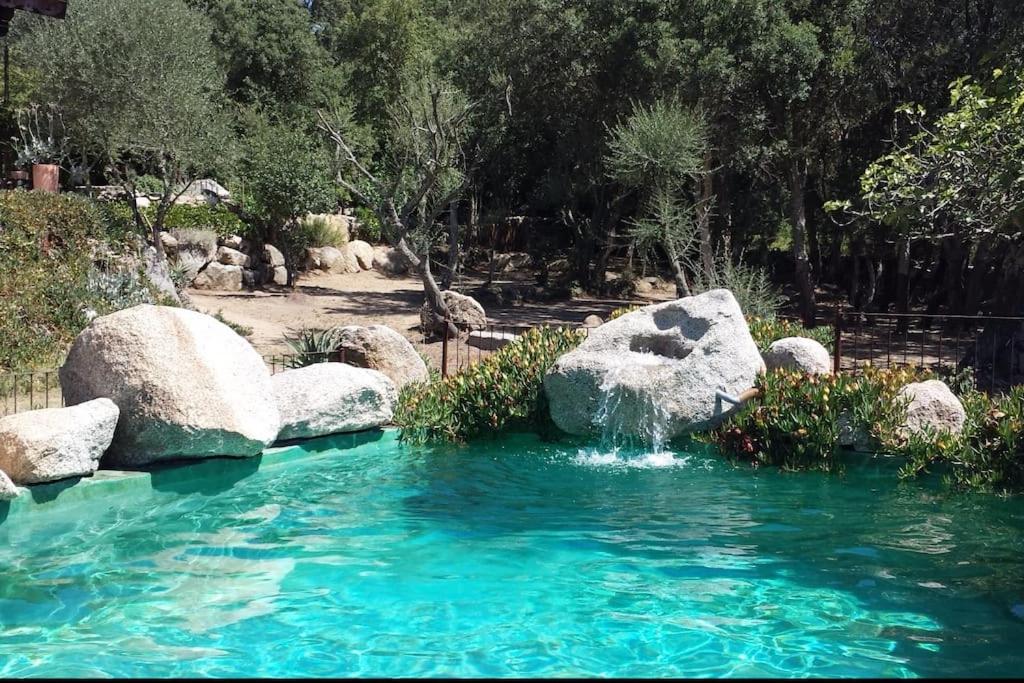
[
  {"x": 389, "y": 261},
  {"x": 232, "y": 257},
  {"x": 466, "y": 314},
  {"x": 273, "y": 256},
  {"x": 169, "y": 243},
  {"x": 338, "y": 260},
  {"x": 280, "y": 276},
  {"x": 232, "y": 242},
  {"x": 593, "y": 321},
  {"x": 362, "y": 252},
  {"x": 932, "y": 406},
  {"x": 56, "y": 443},
  {"x": 8, "y": 489},
  {"x": 798, "y": 353},
  {"x": 332, "y": 398},
  {"x": 642, "y": 287},
  {"x": 159, "y": 273},
  {"x": 312, "y": 260},
  {"x": 654, "y": 373},
  {"x": 216, "y": 276},
  {"x": 490, "y": 341},
  {"x": 186, "y": 384},
  {"x": 381, "y": 348}
]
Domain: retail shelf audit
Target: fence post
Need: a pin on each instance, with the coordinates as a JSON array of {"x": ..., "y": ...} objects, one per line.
[
  {"x": 444, "y": 350},
  {"x": 837, "y": 333}
]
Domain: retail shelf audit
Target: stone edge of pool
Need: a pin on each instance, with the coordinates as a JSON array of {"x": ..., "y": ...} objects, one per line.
[{"x": 186, "y": 476}]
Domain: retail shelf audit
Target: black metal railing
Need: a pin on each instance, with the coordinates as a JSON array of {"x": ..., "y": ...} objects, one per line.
[
  {"x": 991, "y": 348},
  {"x": 22, "y": 391}
]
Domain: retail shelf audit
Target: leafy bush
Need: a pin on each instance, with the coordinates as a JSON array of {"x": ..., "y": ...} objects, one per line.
[
  {"x": 768, "y": 330},
  {"x": 504, "y": 390},
  {"x": 988, "y": 455},
  {"x": 367, "y": 225},
  {"x": 619, "y": 312},
  {"x": 796, "y": 421},
  {"x": 113, "y": 290},
  {"x": 46, "y": 245},
  {"x": 218, "y": 219},
  {"x": 319, "y": 231}
]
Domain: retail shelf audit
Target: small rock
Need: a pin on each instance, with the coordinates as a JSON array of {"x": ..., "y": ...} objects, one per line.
[
  {"x": 933, "y": 405},
  {"x": 338, "y": 261},
  {"x": 216, "y": 276},
  {"x": 332, "y": 398},
  {"x": 593, "y": 321},
  {"x": 642, "y": 287},
  {"x": 312, "y": 260},
  {"x": 232, "y": 257},
  {"x": 798, "y": 353},
  {"x": 280, "y": 276},
  {"x": 232, "y": 242},
  {"x": 273, "y": 255},
  {"x": 56, "y": 443},
  {"x": 490, "y": 341},
  {"x": 380, "y": 348},
  {"x": 466, "y": 313},
  {"x": 363, "y": 253},
  {"x": 389, "y": 261},
  {"x": 168, "y": 242},
  {"x": 8, "y": 490}
]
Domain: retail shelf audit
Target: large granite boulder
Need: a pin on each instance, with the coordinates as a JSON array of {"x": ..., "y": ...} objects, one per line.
[
  {"x": 56, "y": 443},
  {"x": 273, "y": 256},
  {"x": 8, "y": 489},
  {"x": 798, "y": 353},
  {"x": 466, "y": 314},
  {"x": 932, "y": 406},
  {"x": 654, "y": 373},
  {"x": 362, "y": 252},
  {"x": 338, "y": 260},
  {"x": 332, "y": 398},
  {"x": 186, "y": 384},
  {"x": 380, "y": 348}
]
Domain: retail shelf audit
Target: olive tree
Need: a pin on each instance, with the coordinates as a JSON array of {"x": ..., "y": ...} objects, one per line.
[
  {"x": 139, "y": 91},
  {"x": 421, "y": 171}
]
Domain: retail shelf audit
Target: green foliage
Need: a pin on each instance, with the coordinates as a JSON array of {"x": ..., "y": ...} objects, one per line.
[
  {"x": 502, "y": 391},
  {"x": 754, "y": 291},
  {"x": 796, "y": 421},
  {"x": 241, "y": 330},
  {"x": 662, "y": 144},
  {"x": 368, "y": 225},
  {"x": 311, "y": 345},
  {"x": 319, "y": 231},
  {"x": 284, "y": 175},
  {"x": 46, "y": 244},
  {"x": 218, "y": 219},
  {"x": 136, "y": 84},
  {"x": 766, "y": 330}
]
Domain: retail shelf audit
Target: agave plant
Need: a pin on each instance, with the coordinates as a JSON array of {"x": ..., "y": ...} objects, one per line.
[{"x": 310, "y": 345}]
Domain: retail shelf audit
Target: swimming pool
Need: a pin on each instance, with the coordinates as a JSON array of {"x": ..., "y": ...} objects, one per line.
[{"x": 516, "y": 558}]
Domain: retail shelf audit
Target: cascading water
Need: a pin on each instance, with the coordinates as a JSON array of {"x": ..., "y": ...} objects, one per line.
[{"x": 634, "y": 424}]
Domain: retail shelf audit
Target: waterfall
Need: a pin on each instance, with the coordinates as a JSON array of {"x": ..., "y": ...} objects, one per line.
[{"x": 634, "y": 424}]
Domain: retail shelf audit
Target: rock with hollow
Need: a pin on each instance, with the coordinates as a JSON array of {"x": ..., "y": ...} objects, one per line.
[{"x": 656, "y": 373}]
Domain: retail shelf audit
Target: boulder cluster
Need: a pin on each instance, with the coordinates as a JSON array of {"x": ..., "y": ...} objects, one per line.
[{"x": 154, "y": 383}]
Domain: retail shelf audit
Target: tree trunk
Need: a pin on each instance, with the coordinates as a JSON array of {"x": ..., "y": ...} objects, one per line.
[
  {"x": 678, "y": 274},
  {"x": 705, "y": 190},
  {"x": 798, "y": 217},
  {"x": 453, "y": 246}
]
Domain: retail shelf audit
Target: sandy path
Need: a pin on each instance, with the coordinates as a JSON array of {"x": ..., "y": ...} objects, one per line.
[{"x": 330, "y": 299}]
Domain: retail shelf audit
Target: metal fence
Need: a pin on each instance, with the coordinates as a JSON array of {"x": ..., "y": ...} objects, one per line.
[{"x": 989, "y": 348}]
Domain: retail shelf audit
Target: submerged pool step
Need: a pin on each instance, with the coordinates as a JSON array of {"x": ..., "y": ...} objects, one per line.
[{"x": 203, "y": 475}]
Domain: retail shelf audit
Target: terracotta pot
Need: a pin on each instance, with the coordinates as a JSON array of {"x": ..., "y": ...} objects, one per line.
[{"x": 45, "y": 177}]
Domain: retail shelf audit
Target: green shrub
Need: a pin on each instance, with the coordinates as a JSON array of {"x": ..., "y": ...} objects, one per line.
[
  {"x": 768, "y": 330},
  {"x": 218, "y": 219},
  {"x": 796, "y": 420},
  {"x": 46, "y": 245},
  {"x": 367, "y": 225},
  {"x": 988, "y": 455},
  {"x": 311, "y": 345},
  {"x": 502, "y": 391},
  {"x": 319, "y": 231}
]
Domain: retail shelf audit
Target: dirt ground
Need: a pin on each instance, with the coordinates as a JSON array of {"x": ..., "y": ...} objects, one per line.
[{"x": 330, "y": 299}]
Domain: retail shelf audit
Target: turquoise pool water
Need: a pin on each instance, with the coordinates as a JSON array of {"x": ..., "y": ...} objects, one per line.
[{"x": 516, "y": 558}]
